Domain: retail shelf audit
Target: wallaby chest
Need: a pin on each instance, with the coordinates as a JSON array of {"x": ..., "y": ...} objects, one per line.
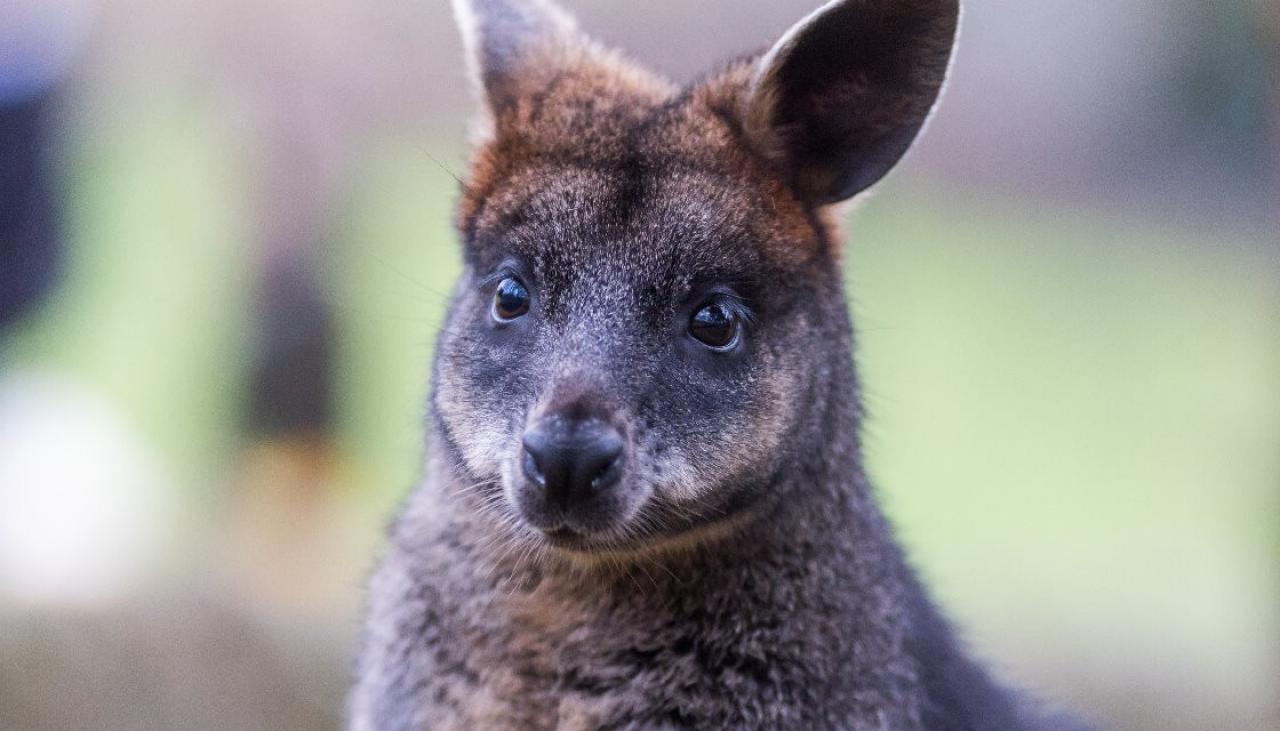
[{"x": 652, "y": 651}]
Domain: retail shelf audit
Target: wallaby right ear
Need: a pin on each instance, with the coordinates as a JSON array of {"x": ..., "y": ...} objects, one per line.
[
  {"x": 513, "y": 46},
  {"x": 837, "y": 102}
]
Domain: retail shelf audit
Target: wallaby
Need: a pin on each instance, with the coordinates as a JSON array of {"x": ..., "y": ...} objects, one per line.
[{"x": 645, "y": 505}]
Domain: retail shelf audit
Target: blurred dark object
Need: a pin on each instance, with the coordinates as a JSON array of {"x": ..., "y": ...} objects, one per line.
[
  {"x": 29, "y": 247},
  {"x": 1221, "y": 106},
  {"x": 292, "y": 386}
]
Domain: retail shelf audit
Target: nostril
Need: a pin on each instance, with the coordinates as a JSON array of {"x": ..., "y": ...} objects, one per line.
[
  {"x": 601, "y": 461},
  {"x": 598, "y": 480},
  {"x": 529, "y": 464}
]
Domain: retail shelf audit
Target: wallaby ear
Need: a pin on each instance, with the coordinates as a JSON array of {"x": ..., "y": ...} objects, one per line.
[
  {"x": 511, "y": 44},
  {"x": 839, "y": 99}
]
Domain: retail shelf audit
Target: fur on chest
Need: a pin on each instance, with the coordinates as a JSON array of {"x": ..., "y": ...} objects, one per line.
[{"x": 550, "y": 657}]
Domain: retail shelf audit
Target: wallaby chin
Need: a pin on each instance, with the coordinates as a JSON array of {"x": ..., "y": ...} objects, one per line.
[{"x": 645, "y": 506}]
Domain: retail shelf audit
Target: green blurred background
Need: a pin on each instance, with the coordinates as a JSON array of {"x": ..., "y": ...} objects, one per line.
[{"x": 1068, "y": 304}]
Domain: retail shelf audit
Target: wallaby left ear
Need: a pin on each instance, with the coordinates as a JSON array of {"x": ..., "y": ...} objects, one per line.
[
  {"x": 839, "y": 99},
  {"x": 513, "y": 46}
]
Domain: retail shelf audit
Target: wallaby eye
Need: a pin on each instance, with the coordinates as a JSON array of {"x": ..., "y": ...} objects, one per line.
[
  {"x": 715, "y": 326},
  {"x": 511, "y": 300}
]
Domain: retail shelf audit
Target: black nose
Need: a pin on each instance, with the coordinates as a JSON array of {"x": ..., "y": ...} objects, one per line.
[{"x": 572, "y": 459}]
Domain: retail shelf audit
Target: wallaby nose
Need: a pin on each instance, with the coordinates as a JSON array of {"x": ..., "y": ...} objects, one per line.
[{"x": 572, "y": 459}]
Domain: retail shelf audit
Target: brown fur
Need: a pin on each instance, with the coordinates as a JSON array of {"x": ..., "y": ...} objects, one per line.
[
  {"x": 607, "y": 111},
  {"x": 738, "y": 575}
]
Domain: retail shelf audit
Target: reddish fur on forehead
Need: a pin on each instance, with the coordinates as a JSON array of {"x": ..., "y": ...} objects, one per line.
[
  {"x": 712, "y": 132},
  {"x": 597, "y": 114},
  {"x": 578, "y": 102},
  {"x": 575, "y": 97}
]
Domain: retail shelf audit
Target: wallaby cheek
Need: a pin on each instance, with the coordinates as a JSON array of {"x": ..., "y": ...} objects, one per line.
[
  {"x": 737, "y": 444},
  {"x": 478, "y": 399},
  {"x": 474, "y": 423}
]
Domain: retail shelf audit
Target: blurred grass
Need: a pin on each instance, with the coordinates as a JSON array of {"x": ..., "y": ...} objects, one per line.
[
  {"x": 1075, "y": 420},
  {"x": 153, "y": 307},
  {"x": 393, "y": 268},
  {"x": 1076, "y": 424}
]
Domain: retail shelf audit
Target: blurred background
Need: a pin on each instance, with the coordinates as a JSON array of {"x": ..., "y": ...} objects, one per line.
[{"x": 225, "y": 247}]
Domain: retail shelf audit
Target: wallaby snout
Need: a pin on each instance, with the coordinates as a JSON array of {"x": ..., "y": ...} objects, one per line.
[{"x": 570, "y": 464}]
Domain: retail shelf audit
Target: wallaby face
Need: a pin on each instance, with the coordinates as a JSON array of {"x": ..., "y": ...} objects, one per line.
[
  {"x": 645, "y": 506},
  {"x": 651, "y": 300}
]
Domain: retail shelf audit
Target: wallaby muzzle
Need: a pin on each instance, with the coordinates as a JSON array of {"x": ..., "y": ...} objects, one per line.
[{"x": 569, "y": 463}]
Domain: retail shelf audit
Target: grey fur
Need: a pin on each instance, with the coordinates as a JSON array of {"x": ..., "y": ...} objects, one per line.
[{"x": 744, "y": 577}]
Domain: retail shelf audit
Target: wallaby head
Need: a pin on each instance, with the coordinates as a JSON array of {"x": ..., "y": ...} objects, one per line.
[{"x": 650, "y": 323}]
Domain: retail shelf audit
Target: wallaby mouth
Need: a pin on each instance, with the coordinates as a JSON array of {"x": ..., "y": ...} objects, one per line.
[{"x": 569, "y": 540}]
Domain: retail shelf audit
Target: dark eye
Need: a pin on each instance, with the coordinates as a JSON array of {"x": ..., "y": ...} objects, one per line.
[
  {"x": 511, "y": 300},
  {"x": 715, "y": 326}
]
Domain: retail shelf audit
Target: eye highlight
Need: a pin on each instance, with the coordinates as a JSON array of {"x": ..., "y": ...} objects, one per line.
[
  {"x": 716, "y": 326},
  {"x": 510, "y": 300}
]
